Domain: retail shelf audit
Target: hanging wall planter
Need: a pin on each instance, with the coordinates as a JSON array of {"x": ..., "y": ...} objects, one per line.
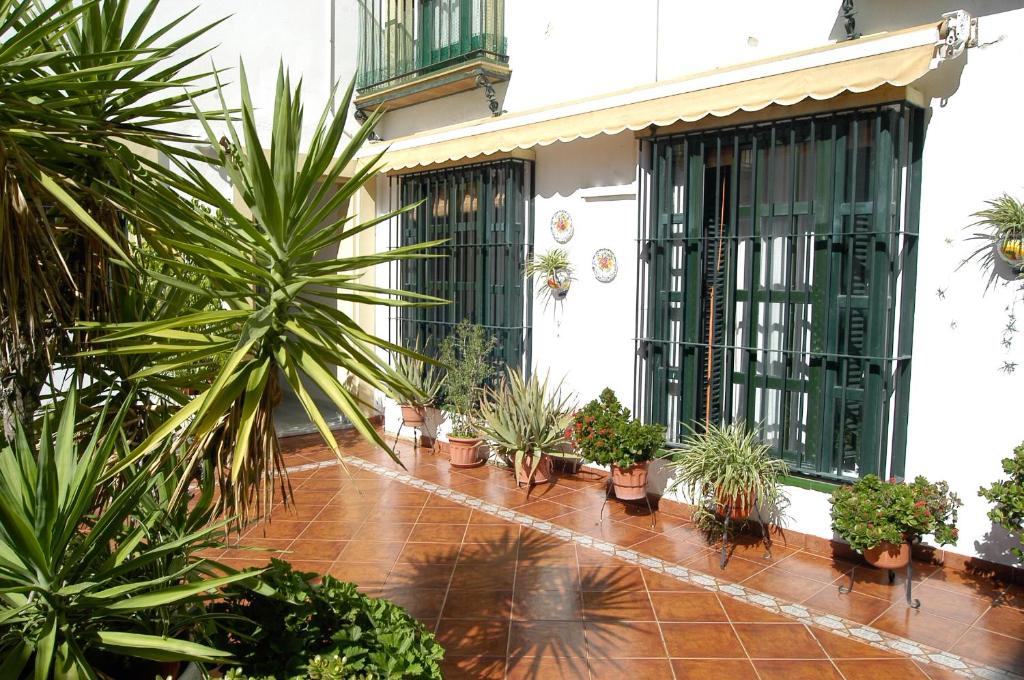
[
  {"x": 553, "y": 271},
  {"x": 1002, "y": 233},
  {"x": 1011, "y": 251}
]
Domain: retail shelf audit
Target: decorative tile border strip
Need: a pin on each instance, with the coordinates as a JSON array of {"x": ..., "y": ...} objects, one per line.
[{"x": 830, "y": 622}]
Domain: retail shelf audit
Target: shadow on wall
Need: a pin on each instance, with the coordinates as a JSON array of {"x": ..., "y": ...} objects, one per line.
[
  {"x": 875, "y": 16},
  {"x": 995, "y": 546}
]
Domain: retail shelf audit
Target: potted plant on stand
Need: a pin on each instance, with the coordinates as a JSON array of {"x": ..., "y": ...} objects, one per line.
[
  {"x": 525, "y": 421},
  {"x": 881, "y": 519},
  {"x": 466, "y": 353},
  {"x": 728, "y": 472},
  {"x": 424, "y": 382},
  {"x": 603, "y": 433},
  {"x": 554, "y": 271}
]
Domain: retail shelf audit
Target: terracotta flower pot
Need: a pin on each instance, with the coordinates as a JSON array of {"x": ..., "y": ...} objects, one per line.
[
  {"x": 888, "y": 555},
  {"x": 541, "y": 476},
  {"x": 630, "y": 484},
  {"x": 739, "y": 506},
  {"x": 412, "y": 415},
  {"x": 462, "y": 452}
]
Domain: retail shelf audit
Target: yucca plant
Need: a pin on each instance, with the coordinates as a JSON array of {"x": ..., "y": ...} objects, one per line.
[
  {"x": 95, "y": 567},
  {"x": 525, "y": 418},
  {"x": 272, "y": 295},
  {"x": 728, "y": 467},
  {"x": 84, "y": 86}
]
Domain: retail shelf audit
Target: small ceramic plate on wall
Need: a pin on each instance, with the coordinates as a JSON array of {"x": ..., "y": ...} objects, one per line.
[
  {"x": 561, "y": 226},
  {"x": 605, "y": 265}
]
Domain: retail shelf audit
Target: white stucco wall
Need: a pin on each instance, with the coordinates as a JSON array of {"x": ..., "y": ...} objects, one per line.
[{"x": 964, "y": 411}]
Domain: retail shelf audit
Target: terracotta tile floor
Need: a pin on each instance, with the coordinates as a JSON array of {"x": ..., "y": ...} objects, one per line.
[{"x": 507, "y": 601}]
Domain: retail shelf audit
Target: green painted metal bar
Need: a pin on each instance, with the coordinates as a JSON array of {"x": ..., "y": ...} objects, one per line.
[{"x": 399, "y": 41}]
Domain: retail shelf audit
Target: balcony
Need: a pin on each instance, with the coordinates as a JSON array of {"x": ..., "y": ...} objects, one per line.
[{"x": 412, "y": 51}]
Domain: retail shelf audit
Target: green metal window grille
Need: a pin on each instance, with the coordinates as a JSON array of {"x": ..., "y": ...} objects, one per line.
[
  {"x": 400, "y": 40},
  {"x": 485, "y": 211},
  {"x": 778, "y": 264}
]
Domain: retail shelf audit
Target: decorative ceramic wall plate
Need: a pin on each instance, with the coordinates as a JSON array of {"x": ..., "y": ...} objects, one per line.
[
  {"x": 605, "y": 265},
  {"x": 561, "y": 226}
]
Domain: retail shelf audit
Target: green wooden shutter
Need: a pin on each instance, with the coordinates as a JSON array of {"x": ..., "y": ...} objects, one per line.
[{"x": 769, "y": 296}]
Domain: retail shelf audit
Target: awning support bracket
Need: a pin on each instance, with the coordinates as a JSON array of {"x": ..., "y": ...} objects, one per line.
[{"x": 492, "y": 98}]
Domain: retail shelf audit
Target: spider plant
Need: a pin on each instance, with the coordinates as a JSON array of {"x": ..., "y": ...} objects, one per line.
[
  {"x": 729, "y": 466},
  {"x": 1002, "y": 234},
  {"x": 554, "y": 270},
  {"x": 524, "y": 419}
]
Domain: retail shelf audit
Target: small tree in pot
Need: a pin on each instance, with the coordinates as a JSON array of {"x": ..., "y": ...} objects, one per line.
[
  {"x": 881, "y": 519},
  {"x": 525, "y": 421},
  {"x": 728, "y": 471},
  {"x": 466, "y": 354},
  {"x": 604, "y": 433}
]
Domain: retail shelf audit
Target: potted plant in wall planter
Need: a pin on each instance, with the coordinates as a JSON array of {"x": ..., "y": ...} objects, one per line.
[
  {"x": 466, "y": 352},
  {"x": 525, "y": 421},
  {"x": 553, "y": 271},
  {"x": 728, "y": 472},
  {"x": 603, "y": 433},
  {"x": 1003, "y": 221},
  {"x": 881, "y": 519}
]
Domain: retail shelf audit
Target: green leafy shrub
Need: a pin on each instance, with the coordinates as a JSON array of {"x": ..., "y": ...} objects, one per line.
[
  {"x": 1008, "y": 496},
  {"x": 603, "y": 432},
  {"x": 466, "y": 353},
  {"x": 870, "y": 512},
  {"x": 291, "y": 621}
]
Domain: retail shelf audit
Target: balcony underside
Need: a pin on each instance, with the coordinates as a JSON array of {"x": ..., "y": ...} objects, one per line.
[{"x": 434, "y": 85}]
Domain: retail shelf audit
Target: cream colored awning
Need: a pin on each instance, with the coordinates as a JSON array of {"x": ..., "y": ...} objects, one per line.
[{"x": 897, "y": 58}]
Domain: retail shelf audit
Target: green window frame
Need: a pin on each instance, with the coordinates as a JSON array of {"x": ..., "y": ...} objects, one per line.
[
  {"x": 485, "y": 211},
  {"x": 778, "y": 265}
]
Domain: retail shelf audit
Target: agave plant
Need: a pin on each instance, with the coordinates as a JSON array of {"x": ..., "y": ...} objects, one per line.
[
  {"x": 271, "y": 301},
  {"x": 728, "y": 466},
  {"x": 524, "y": 418},
  {"x": 425, "y": 379},
  {"x": 94, "y": 566}
]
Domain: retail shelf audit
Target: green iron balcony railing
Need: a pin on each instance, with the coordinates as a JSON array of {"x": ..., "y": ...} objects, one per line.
[{"x": 401, "y": 40}]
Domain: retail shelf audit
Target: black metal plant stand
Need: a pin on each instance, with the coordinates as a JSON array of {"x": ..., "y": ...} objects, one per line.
[
  {"x": 912, "y": 601},
  {"x": 417, "y": 434},
  {"x": 609, "y": 493},
  {"x": 725, "y": 538}
]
